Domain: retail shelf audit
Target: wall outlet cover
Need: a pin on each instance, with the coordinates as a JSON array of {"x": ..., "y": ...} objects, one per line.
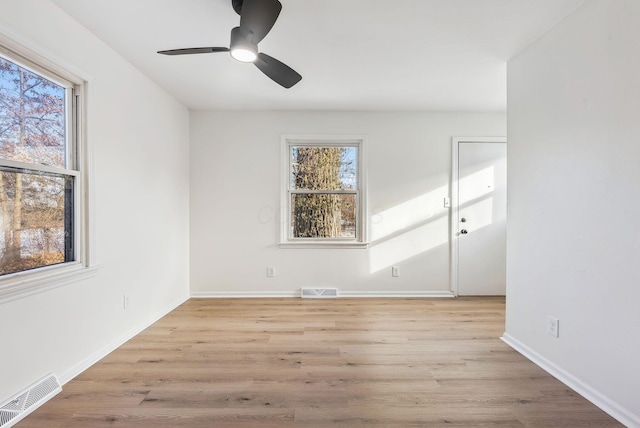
[{"x": 553, "y": 326}]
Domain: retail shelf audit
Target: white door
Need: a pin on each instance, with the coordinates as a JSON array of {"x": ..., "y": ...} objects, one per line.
[{"x": 480, "y": 227}]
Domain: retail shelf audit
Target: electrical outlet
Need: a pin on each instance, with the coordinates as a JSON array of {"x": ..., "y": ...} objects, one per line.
[
  {"x": 395, "y": 271},
  {"x": 125, "y": 302},
  {"x": 553, "y": 326},
  {"x": 271, "y": 271}
]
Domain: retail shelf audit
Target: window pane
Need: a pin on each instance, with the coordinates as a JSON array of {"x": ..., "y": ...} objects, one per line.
[
  {"x": 323, "y": 215},
  {"x": 323, "y": 168},
  {"x": 32, "y": 117},
  {"x": 36, "y": 220}
]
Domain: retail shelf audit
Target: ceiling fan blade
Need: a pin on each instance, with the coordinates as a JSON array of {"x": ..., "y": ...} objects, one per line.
[
  {"x": 190, "y": 51},
  {"x": 257, "y": 18},
  {"x": 280, "y": 73}
]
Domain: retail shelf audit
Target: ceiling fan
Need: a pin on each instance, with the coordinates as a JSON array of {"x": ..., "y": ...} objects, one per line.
[{"x": 257, "y": 17}]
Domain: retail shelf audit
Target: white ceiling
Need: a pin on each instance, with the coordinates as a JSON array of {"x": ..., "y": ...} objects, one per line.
[{"x": 443, "y": 55}]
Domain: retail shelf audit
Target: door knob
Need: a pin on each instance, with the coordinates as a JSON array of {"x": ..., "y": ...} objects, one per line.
[
  {"x": 463, "y": 220},
  {"x": 464, "y": 231}
]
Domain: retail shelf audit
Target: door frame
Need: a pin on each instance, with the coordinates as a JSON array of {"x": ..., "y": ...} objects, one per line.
[{"x": 455, "y": 211}]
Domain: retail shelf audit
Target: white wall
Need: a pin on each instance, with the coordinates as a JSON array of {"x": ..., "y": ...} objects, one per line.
[
  {"x": 139, "y": 137},
  {"x": 235, "y": 201},
  {"x": 573, "y": 230}
]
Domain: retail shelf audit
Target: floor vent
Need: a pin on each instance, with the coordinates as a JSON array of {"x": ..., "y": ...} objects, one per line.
[
  {"x": 25, "y": 402},
  {"x": 319, "y": 293}
]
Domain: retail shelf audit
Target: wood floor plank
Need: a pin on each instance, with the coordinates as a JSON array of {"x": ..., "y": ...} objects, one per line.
[{"x": 319, "y": 363}]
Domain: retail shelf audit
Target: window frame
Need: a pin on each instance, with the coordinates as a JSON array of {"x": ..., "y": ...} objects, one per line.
[
  {"x": 360, "y": 239},
  {"x": 32, "y": 57}
]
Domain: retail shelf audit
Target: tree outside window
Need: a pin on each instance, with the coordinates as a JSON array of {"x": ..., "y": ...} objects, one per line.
[
  {"x": 324, "y": 191},
  {"x": 36, "y": 188}
]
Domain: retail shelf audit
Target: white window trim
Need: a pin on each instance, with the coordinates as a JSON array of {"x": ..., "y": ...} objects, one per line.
[
  {"x": 21, "y": 284},
  {"x": 362, "y": 229}
]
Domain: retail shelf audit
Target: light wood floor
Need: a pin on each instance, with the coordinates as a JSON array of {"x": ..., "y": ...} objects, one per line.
[{"x": 320, "y": 363}]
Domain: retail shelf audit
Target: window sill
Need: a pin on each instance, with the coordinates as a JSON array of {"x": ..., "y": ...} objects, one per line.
[
  {"x": 23, "y": 284},
  {"x": 328, "y": 245}
]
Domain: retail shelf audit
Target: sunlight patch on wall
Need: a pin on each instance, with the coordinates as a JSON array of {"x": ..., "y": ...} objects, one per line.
[
  {"x": 482, "y": 214},
  {"x": 476, "y": 185},
  {"x": 409, "y": 244},
  {"x": 408, "y": 214},
  {"x": 422, "y": 223}
]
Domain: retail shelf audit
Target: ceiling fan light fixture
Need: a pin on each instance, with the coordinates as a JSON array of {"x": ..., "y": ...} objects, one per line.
[
  {"x": 243, "y": 54},
  {"x": 242, "y": 48}
]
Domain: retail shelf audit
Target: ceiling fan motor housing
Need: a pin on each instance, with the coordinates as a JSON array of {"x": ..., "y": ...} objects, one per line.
[{"x": 241, "y": 46}]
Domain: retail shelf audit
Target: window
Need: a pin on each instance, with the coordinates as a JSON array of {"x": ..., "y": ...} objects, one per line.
[
  {"x": 41, "y": 208},
  {"x": 324, "y": 198}
]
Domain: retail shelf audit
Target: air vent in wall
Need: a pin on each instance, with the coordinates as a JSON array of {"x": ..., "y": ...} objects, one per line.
[
  {"x": 319, "y": 293},
  {"x": 16, "y": 408}
]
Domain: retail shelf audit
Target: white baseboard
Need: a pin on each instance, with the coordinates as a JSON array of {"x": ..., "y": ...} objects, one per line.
[
  {"x": 83, "y": 365},
  {"x": 615, "y": 410},
  {"x": 396, "y": 294},
  {"x": 242, "y": 294},
  {"x": 281, "y": 294}
]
